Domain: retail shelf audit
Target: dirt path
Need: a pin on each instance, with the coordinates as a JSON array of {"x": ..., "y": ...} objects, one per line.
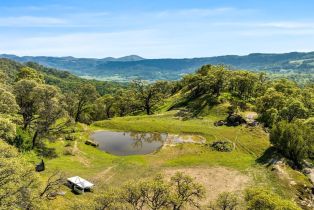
[
  {"x": 80, "y": 155},
  {"x": 104, "y": 176},
  {"x": 215, "y": 180},
  {"x": 75, "y": 148},
  {"x": 311, "y": 175}
]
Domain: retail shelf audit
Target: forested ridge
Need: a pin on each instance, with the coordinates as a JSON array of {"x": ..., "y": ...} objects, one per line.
[
  {"x": 296, "y": 66},
  {"x": 39, "y": 105}
]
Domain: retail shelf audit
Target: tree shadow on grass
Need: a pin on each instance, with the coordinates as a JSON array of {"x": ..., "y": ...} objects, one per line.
[
  {"x": 192, "y": 108},
  {"x": 46, "y": 152},
  {"x": 269, "y": 157}
]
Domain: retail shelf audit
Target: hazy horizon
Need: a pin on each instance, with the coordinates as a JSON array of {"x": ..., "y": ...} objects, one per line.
[{"x": 144, "y": 57}]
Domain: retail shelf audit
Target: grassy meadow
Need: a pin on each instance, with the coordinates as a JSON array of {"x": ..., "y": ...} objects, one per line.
[{"x": 107, "y": 170}]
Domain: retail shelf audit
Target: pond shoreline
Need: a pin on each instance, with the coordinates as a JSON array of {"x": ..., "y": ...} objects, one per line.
[{"x": 140, "y": 143}]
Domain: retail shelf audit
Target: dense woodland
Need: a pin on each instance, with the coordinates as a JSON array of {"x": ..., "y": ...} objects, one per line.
[{"x": 39, "y": 103}]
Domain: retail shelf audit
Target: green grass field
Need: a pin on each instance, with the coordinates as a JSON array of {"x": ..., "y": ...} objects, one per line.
[{"x": 108, "y": 170}]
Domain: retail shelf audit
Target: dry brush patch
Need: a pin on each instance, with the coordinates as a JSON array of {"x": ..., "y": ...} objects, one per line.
[{"x": 216, "y": 180}]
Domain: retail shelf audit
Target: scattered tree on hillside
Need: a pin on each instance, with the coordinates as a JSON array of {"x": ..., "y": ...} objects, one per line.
[
  {"x": 28, "y": 73},
  {"x": 153, "y": 194},
  {"x": 294, "y": 109},
  {"x": 196, "y": 85},
  {"x": 291, "y": 140},
  {"x": 186, "y": 192},
  {"x": 23, "y": 91},
  {"x": 3, "y": 77},
  {"x": 104, "y": 107},
  {"x": 308, "y": 98},
  {"x": 50, "y": 107},
  {"x": 269, "y": 105},
  {"x": 156, "y": 193},
  {"x": 287, "y": 87},
  {"x": 243, "y": 84},
  {"x": 7, "y": 102},
  {"x": 209, "y": 82},
  {"x": 217, "y": 77},
  {"x": 284, "y": 100},
  {"x": 181, "y": 192},
  {"x": 83, "y": 97},
  {"x": 7, "y": 130},
  {"x": 225, "y": 201},
  {"x": 40, "y": 105},
  {"x": 148, "y": 95},
  {"x": 18, "y": 181},
  {"x": 125, "y": 102}
]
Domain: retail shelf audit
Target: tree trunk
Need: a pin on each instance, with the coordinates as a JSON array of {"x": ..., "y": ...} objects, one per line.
[
  {"x": 34, "y": 139},
  {"x": 78, "y": 114},
  {"x": 148, "y": 110},
  {"x": 25, "y": 122},
  {"x": 25, "y": 125},
  {"x": 147, "y": 106},
  {"x": 79, "y": 111},
  {"x": 108, "y": 111},
  {"x": 77, "y": 117}
]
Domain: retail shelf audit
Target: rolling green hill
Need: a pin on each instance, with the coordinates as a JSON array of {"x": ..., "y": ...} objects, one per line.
[
  {"x": 249, "y": 152},
  {"x": 130, "y": 67},
  {"x": 66, "y": 81}
]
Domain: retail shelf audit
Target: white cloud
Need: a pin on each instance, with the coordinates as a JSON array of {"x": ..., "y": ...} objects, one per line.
[
  {"x": 270, "y": 24},
  {"x": 194, "y": 12},
  {"x": 85, "y": 44},
  {"x": 288, "y": 25},
  {"x": 104, "y": 18},
  {"x": 172, "y": 33},
  {"x": 33, "y": 8},
  {"x": 150, "y": 44},
  {"x": 31, "y": 21}
]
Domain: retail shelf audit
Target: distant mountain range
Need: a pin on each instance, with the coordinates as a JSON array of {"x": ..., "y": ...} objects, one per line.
[{"x": 133, "y": 66}]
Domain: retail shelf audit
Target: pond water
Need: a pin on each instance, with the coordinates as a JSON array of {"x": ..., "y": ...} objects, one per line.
[
  {"x": 137, "y": 143},
  {"x": 129, "y": 143}
]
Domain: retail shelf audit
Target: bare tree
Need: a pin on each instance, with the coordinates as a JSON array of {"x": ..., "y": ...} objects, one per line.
[
  {"x": 54, "y": 183},
  {"x": 186, "y": 192}
]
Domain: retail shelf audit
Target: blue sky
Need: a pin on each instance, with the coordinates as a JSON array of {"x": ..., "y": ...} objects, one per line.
[{"x": 155, "y": 28}]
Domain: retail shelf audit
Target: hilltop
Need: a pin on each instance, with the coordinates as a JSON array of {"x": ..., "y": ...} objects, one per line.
[{"x": 217, "y": 132}]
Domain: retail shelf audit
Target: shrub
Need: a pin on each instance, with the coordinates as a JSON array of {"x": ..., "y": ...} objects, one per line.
[
  {"x": 292, "y": 140},
  {"x": 225, "y": 201},
  {"x": 259, "y": 198},
  {"x": 69, "y": 137},
  {"x": 222, "y": 146},
  {"x": 69, "y": 151}
]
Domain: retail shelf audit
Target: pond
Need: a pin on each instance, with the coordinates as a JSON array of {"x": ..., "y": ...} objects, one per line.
[
  {"x": 129, "y": 143},
  {"x": 137, "y": 143}
]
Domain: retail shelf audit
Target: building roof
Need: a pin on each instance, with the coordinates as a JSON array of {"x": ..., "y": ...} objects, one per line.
[{"x": 80, "y": 182}]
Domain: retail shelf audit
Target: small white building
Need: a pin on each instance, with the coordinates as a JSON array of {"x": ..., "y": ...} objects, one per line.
[{"x": 79, "y": 185}]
